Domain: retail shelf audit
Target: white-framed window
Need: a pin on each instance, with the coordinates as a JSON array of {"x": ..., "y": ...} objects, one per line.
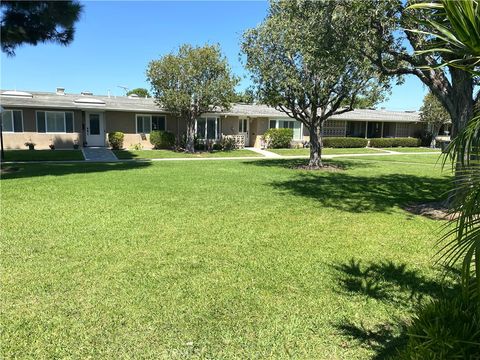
[
  {"x": 54, "y": 121},
  {"x": 147, "y": 123},
  {"x": 297, "y": 127},
  {"x": 12, "y": 121},
  {"x": 207, "y": 128}
]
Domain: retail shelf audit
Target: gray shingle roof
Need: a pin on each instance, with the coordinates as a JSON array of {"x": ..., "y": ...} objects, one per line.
[{"x": 123, "y": 103}]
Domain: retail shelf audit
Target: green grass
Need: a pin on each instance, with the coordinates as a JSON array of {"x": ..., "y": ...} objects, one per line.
[
  {"x": 42, "y": 155},
  {"x": 339, "y": 151},
  {"x": 326, "y": 151},
  {"x": 231, "y": 259},
  {"x": 165, "y": 154},
  {"x": 412, "y": 149}
]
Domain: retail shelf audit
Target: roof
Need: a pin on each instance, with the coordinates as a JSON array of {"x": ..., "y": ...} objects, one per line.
[{"x": 123, "y": 103}]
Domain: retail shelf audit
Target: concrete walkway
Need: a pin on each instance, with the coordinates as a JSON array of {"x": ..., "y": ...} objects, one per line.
[
  {"x": 265, "y": 153},
  {"x": 98, "y": 154}
]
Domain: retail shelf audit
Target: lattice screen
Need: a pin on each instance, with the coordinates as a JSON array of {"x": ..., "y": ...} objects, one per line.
[
  {"x": 402, "y": 130},
  {"x": 335, "y": 128}
]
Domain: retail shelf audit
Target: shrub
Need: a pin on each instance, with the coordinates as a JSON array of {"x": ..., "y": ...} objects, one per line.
[
  {"x": 278, "y": 138},
  {"x": 115, "y": 140},
  {"x": 228, "y": 144},
  {"x": 394, "y": 142},
  {"x": 138, "y": 146},
  {"x": 162, "y": 139},
  {"x": 344, "y": 142},
  {"x": 448, "y": 328},
  {"x": 217, "y": 147}
]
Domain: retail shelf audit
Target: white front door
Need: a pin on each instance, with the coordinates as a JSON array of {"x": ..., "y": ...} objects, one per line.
[
  {"x": 243, "y": 129},
  {"x": 95, "y": 129}
]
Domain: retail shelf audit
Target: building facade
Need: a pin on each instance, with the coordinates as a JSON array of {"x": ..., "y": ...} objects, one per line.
[{"x": 65, "y": 120}]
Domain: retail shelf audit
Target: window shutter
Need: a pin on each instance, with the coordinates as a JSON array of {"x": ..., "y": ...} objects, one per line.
[
  {"x": 69, "y": 122},
  {"x": 41, "y": 122}
]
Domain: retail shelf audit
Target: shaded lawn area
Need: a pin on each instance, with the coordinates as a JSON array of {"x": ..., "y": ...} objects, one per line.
[
  {"x": 325, "y": 151},
  {"x": 237, "y": 259},
  {"x": 42, "y": 155},
  {"x": 165, "y": 154}
]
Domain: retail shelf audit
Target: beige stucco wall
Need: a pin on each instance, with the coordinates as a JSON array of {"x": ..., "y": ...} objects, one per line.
[{"x": 43, "y": 140}]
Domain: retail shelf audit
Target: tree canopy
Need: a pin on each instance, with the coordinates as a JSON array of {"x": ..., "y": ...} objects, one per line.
[
  {"x": 194, "y": 81},
  {"x": 301, "y": 63},
  {"x": 33, "y": 22},
  {"x": 395, "y": 38},
  {"x": 141, "y": 92}
]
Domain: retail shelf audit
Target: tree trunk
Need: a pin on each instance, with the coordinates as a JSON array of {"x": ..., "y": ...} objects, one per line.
[
  {"x": 433, "y": 142},
  {"x": 461, "y": 105},
  {"x": 315, "y": 161},
  {"x": 190, "y": 140}
]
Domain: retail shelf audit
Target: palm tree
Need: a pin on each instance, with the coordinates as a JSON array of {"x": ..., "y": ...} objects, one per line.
[{"x": 455, "y": 30}]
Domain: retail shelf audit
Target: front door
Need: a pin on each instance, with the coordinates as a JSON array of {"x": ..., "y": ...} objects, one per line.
[
  {"x": 243, "y": 129},
  {"x": 95, "y": 129}
]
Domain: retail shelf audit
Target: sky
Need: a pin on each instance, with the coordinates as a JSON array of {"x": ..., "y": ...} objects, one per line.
[{"x": 115, "y": 41}]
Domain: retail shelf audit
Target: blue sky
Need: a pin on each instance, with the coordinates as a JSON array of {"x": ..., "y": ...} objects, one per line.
[{"x": 115, "y": 40}]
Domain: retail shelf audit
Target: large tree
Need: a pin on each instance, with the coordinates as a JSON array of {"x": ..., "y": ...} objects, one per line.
[
  {"x": 301, "y": 63},
  {"x": 385, "y": 30},
  {"x": 192, "y": 82},
  {"x": 33, "y": 22},
  {"x": 141, "y": 92},
  {"x": 434, "y": 115}
]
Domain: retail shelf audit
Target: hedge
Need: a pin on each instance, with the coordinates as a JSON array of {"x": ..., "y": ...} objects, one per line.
[
  {"x": 278, "y": 138},
  {"x": 395, "y": 142},
  {"x": 162, "y": 139},
  {"x": 115, "y": 140},
  {"x": 344, "y": 142}
]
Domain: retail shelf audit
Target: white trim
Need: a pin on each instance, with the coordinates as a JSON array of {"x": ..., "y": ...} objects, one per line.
[
  {"x": 218, "y": 126},
  {"x": 13, "y": 122},
  {"x": 277, "y": 124},
  {"x": 150, "y": 116},
  {"x": 64, "y": 121}
]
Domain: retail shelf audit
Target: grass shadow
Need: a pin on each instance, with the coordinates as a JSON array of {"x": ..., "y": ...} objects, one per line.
[
  {"x": 60, "y": 169},
  {"x": 387, "y": 282},
  {"x": 354, "y": 193}
]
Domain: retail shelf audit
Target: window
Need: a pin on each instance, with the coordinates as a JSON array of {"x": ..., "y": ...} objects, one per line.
[
  {"x": 243, "y": 125},
  {"x": 208, "y": 128},
  {"x": 147, "y": 123},
  {"x": 54, "y": 122},
  {"x": 288, "y": 124},
  {"x": 12, "y": 121}
]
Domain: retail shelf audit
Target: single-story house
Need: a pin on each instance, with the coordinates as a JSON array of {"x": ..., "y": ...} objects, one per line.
[{"x": 85, "y": 119}]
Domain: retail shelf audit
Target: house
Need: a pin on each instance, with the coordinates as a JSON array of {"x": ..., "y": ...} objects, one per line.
[{"x": 85, "y": 119}]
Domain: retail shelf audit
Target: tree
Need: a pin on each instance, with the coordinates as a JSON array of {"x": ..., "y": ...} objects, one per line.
[
  {"x": 192, "y": 82},
  {"x": 456, "y": 32},
  {"x": 246, "y": 97},
  {"x": 141, "y": 92},
  {"x": 434, "y": 115},
  {"x": 384, "y": 28},
  {"x": 33, "y": 22},
  {"x": 301, "y": 63}
]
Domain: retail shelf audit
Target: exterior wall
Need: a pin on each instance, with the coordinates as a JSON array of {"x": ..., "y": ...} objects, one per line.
[{"x": 17, "y": 140}]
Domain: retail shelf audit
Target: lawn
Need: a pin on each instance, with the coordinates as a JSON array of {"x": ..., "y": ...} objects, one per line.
[
  {"x": 165, "y": 154},
  {"x": 231, "y": 259},
  {"x": 325, "y": 151},
  {"x": 341, "y": 151},
  {"x": 42, "y": 155},
  {"x": 412, "y": 149}
]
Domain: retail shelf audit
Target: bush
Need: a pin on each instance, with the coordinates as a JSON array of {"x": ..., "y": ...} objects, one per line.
[
  {"x": 115, "y": 139},
  {"x": 162, "y": 139},
  {"x": 228, "y": 144},
  {"x": 344, "y": 142},
  {"x": 278, "y": 138},
  {"x": 395, "y": 142},
  {"x": 448, "y": 328},
  {"x": 217, "y": 147}
]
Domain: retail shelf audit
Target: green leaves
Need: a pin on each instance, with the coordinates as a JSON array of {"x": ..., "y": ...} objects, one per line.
[{"x": 193, "y": 81}]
